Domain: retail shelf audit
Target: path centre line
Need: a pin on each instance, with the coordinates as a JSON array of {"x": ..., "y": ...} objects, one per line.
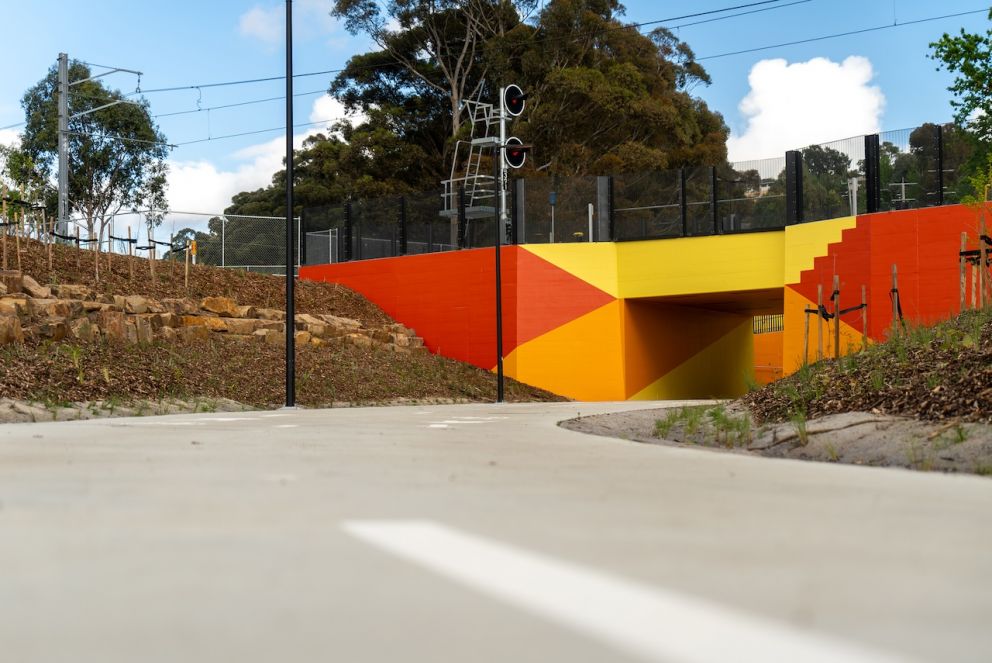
[{"x": 651, "y": 623}]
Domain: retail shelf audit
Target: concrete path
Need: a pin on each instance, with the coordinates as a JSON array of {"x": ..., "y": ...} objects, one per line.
[{"x": 471, "y": 533}]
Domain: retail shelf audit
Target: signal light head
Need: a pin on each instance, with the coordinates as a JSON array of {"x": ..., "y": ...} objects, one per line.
[
  {"x": 513, "y": 100},
  {"x": 515, "y": 152}
]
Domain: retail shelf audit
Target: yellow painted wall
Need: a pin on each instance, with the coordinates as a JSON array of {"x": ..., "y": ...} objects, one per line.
[
  {"x": 807, "y": 241},
  {"x": 694, "y": 265}
]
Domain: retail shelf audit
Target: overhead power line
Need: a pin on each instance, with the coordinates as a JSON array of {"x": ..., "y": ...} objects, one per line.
[
  {"x": 252, "y": 133},
  {"x": 631, "y": 26},
  {"x": 842, "y": 34},
  {"x": 241, "y": 103}
]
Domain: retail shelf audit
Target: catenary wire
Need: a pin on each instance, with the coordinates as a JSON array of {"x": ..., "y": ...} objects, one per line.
[{"x": 842, "y": 34}]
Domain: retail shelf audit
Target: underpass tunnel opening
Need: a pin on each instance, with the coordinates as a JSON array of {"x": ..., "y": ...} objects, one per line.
[{"x": 712, "y": 345}]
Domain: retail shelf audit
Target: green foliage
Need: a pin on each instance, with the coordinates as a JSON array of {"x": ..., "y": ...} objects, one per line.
[
  {"x": 969, "y": 57},
  {"x": 116, "y": 154}
]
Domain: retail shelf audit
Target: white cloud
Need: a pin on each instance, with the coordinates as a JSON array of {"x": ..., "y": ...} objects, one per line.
[
  {"x": 266, "y": 25},
  {"x": 311, "y": 19},
  {"x": 200, "y": 186},
  {"x": 791, "y": 106},
  {"x": 9, "y": 137}
]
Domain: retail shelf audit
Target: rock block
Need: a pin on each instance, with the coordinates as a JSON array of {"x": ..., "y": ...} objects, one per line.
[
  {"x": 244, "y": 312},
  {"x": 69, "y": 291},
  {"x": 224, "y": 306},
  {"x": 360, "y": 340},
  {"x": 270, "y": 314},
  {"x": 11, "y": 278},
  {"x": 10, "y": 330},
  {"x": 112, "y": 324},
  {"x": 135, "y": 304},
  {"x": 193, "y": 334},
  {"x": 246, "y": 326},
  {"x": 168, "y": 334},
  {"x": 54, "y": 329},
  {"x": 35, "y": 289},
  {"x": 206, "y": 322},
  {"x": 83, "y": 330},
  {"x": 14, "y": 305}
]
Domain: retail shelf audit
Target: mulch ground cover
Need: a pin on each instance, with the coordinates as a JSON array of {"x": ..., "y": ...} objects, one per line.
[{"x": 933, "y": 373}]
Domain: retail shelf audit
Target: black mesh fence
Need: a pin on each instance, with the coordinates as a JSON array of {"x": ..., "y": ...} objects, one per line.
[
  {"x": 908, "y": 168},
  {"x": 699, "y": 201},
  {"x": 647, "y": 205},
  {"x": 556, "y": 209},
  {"x": 833, "y": 177},
  {"x": 426, "y": 230},
  {"x": 751, "y": 196},
  {"x": 925, "y": 166},
  {"x": 375, "y": 228}
]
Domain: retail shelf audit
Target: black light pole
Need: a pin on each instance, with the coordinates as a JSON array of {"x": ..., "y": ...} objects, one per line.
[
  {"x": 497, "y": 192},
  {"x": 290, "y": 235}
]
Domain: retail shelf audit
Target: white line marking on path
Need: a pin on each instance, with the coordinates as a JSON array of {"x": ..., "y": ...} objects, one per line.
[{"x": 652, "y": 623}]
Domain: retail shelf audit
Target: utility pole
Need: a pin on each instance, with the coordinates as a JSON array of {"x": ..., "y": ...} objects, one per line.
[
  {"x": 63, "y": 211},
  {"x": 63, "y": 138}
]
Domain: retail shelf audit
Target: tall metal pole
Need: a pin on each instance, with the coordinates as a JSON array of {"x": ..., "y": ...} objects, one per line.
[
  {"x": 290, "y": 240},
  {"x": 63, "y": 138},
  {"x": 497, "y": 158},
  {"x": 499, "y": 169}
]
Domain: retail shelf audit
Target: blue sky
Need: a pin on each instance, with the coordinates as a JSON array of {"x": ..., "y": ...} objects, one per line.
[{"x": 889, "y": 83}]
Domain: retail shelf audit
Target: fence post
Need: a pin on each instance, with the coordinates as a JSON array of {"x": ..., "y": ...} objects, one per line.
[
  {"x": 610, "y": 208},
  {"x": 873, "y": 185},
  {"x": 347, "y": 232},
  {"x": 303, "y": 237},
  {"x": 223, "y": 241},
  {"x": 940, "y": 164},
  {"x": 402, "y": 225},
  {"x": 462, "y": 220},
  {"x": 793, "y": 187},
  {"x": 714, "y": 200},
  {"x": 683, "y": 204}
]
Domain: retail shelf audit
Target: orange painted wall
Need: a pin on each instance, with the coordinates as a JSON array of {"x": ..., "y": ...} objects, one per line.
[{"x": 768, "y": 357}]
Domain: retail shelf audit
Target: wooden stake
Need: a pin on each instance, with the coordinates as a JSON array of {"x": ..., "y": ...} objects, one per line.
[
  {"x": 974, "y": 285},
  {"x": 187, "y": 266},
  {"x": 961, "y": 267},
  {"x": 130, "y": 255},
  {"x": 51, "y": 237},
  {"x": 895, "y": 295},
  {"x": 805, "y": 337},
  {"x": 864, "y": 318},
  {"x": 77, "y": 247},
  {"x": 983, "y": 255},
  {"x": 836, "y": 296},
  {"x": 819, "y": 322},
  {"x": 4, "y": 229},
  {"x": 17, "y": 239},
  {"x": 96, "y": 258}
]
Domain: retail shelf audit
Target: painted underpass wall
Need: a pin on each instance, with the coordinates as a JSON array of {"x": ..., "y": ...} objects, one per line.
[
  {"x": 590, "y": 320},
  {"x": 685, "y": 352},
  {"x": 924, "y": 246}
]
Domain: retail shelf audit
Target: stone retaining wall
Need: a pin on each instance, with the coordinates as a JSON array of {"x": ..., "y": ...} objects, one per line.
[{"x": 32, "y": 312}]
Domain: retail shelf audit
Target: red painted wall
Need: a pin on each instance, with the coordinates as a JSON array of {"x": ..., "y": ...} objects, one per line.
[{"x": 450, "y": 298}]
